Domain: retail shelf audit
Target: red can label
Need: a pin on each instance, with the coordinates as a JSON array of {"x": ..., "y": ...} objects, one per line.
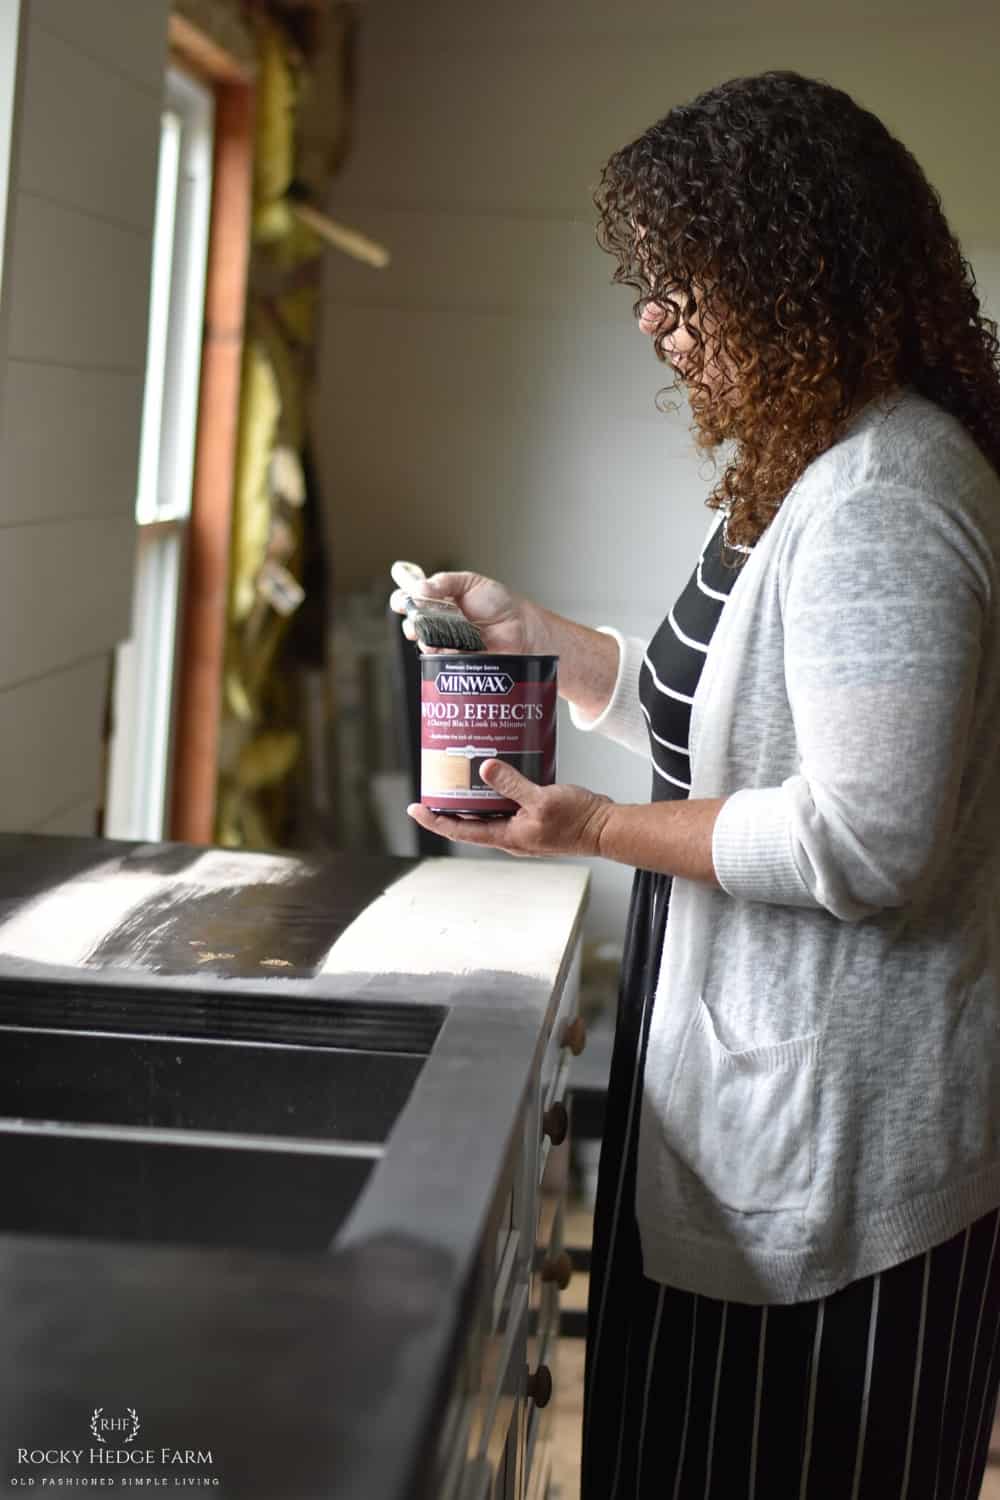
[{"x": 475, "y": 708}]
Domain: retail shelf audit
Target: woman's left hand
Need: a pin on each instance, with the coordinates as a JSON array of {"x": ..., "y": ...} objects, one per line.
[{"x": 549, "y": 819}]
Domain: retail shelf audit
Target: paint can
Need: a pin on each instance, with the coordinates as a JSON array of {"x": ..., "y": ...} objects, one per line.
[{"x": 476, "y": 707}]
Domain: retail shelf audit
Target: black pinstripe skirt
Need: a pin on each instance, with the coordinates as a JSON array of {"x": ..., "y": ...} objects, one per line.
[{"x": 884, "y": 1390}]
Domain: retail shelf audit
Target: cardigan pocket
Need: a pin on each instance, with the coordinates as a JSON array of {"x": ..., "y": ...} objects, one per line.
[{"x": 743, "y": 1122}]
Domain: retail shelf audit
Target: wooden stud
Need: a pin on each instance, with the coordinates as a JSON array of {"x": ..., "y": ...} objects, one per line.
[
  {"x": 201, "y": 54},
  {"x": 203, "y": 630}
]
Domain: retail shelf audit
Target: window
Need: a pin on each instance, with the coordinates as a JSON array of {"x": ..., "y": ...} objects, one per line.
[
  {"x": 141, "y": 746},
  {"x": 10, "y": 24}
]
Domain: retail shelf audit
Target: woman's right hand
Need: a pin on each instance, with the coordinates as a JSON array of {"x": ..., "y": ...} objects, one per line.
[{"x": 506, "y": 622}]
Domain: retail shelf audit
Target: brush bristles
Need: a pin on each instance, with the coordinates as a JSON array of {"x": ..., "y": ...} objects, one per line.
[{"x": 447, "y": 632}]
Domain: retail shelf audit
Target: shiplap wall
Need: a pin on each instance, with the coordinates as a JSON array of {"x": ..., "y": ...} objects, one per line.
[
  {"x": 487, "y": 400},
  {"x": 72, "y": 351}
]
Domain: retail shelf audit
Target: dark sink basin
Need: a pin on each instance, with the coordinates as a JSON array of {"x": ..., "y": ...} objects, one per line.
[
  {"x": 276, "y": 1013},
  {"x": 191, "y": 1141},
  {"x": 144, "y": 1189},
  {"x": 178, "y": 1083}
]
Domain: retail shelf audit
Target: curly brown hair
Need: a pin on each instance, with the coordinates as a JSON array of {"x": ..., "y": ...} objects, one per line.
[{"x": 820, "y": 265}]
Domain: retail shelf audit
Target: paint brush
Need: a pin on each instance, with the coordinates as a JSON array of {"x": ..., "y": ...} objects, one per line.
[{"x": 436, "y": 622}]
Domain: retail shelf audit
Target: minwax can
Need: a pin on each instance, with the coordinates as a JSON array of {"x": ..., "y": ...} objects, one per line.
[{"x": 476, "y": 707}]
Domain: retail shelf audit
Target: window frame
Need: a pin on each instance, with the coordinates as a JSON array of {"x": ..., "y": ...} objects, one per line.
[{"x": 146, "y": 666}]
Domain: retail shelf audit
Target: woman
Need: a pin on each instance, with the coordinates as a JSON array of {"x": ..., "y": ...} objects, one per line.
[{"x": 796, "y": 1271}]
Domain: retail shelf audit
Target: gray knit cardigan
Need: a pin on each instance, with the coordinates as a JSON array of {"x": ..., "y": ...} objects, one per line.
[{"x": 821, "y": 1096}]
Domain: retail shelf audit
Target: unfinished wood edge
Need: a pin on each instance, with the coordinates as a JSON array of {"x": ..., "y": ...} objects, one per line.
[
  {"x": 198, "y": 722},
  {"x": 195, "y": 49},
  {"x": 341, "y": 236}
]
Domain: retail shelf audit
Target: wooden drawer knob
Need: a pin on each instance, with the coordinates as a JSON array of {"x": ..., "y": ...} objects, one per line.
[
  {"x": 555, "y": 1123},
  {"x": 539, "y": 1386},
  {"x": 575, "y": 1035},
  {"x": 559, "y": 1269}
]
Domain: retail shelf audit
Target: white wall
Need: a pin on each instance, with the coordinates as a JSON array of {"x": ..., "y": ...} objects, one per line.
[
  {"x": 72, "y": 352},
  {"x": 487, "y": 401}
]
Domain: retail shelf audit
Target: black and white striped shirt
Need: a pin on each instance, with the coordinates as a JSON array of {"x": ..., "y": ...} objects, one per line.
[{"x": 672, "y": 665}]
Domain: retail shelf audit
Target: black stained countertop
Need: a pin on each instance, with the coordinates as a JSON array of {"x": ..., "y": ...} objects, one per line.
[{"x": 317, "y": 1370}]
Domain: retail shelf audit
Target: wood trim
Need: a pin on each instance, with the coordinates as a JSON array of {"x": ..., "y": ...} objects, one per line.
[
  {"x": 341, "y": 236},
  {"x": 203, "y": 629},
  {"x": 15, "y": 39},
  {"x": 196, "y": 50}
]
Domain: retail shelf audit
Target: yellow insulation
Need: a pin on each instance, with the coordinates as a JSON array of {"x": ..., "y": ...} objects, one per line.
[
  {"x": 302, "y": 120},
  {"x": 260, "y": 410},
  {"x": 274, "y": 160}
]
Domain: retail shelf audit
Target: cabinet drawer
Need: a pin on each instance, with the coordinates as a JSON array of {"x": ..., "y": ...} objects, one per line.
[
  {"x": 559, "y": 1079},
  {"x": 509, "y": 1238},
  {"x": 504, "y": 1285},
  {"x": 548, "y": 1230},
  {"x": 543, "y": 1325},
  {"x": 548, "y": 1255},
  {"x": 503, "y": 1232},
  {"x": 478, "y": 1481},
  {"x": 538, "y": 1452},
  {"x": 500, "y": 1380},
  {"x": 557, "y": 1101},
  {"x": 540, "y": 1473},
  {"x": 540, "y": 1418},
  {"x": 569, "y": 1002}
]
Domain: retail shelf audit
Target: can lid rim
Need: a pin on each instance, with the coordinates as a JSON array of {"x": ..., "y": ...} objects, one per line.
[{"x": 480, "y": 655}]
